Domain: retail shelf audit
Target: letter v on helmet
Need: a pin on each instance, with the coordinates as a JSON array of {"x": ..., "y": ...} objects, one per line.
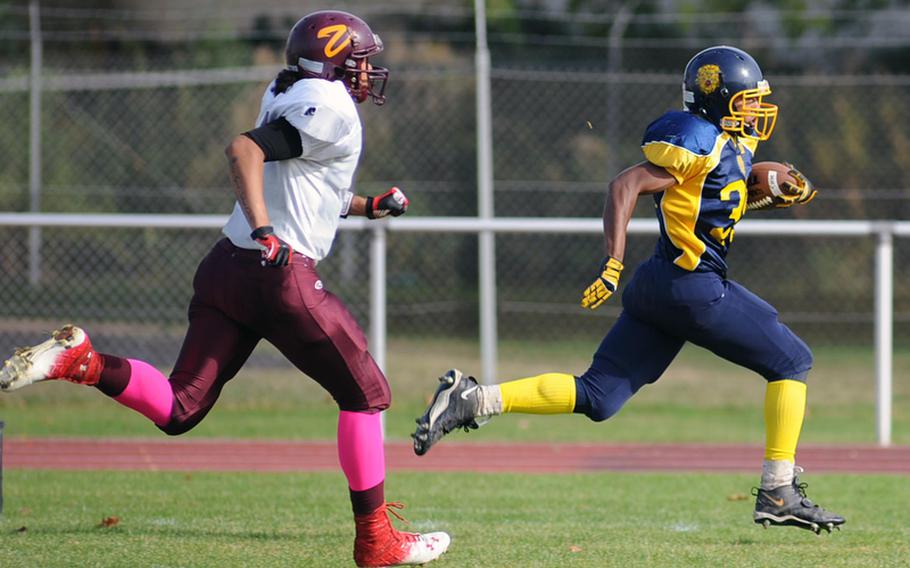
[{"x": 340, "y": 38}]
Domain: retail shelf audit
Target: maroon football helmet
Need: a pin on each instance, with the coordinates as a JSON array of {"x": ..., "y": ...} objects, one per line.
[{"x": 335, "y": 45}]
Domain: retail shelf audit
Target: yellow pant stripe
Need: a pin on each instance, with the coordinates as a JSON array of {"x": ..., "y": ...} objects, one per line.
[
  {"x": 785, "y": 407},
  {"x": 550, "y": 393}
]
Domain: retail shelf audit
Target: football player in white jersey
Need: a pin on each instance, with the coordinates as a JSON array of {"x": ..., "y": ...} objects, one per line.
[{"x": 292, "y": 176}]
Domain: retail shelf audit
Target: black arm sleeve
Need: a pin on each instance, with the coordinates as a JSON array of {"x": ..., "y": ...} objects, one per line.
[{"x": 277, "y": 139}]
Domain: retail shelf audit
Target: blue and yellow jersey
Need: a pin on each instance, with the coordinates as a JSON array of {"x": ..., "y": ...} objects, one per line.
[{"x": 697, "y": 214}]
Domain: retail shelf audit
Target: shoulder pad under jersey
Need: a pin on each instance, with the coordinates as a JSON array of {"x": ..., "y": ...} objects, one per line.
[{"x": 685, "y": 130}]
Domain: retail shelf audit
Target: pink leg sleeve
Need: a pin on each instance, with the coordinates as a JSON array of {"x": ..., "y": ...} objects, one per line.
[
  {"x": 148, "y": 393},
  {"x": 360, "y": 449}
]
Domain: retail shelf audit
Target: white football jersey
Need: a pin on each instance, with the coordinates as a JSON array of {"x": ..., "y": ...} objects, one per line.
[{"x": 306, "y": 196}]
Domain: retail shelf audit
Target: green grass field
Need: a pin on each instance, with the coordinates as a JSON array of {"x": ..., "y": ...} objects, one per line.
[
  {"x": 611, "y": 519},
  {"x": 604, "y": 519}
]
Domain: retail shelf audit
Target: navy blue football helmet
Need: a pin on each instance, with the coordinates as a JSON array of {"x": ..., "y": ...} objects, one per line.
[{"x": 725, "y": 85}]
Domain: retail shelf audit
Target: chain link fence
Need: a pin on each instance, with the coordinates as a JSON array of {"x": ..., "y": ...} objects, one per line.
[{"x": 135, "y": 116}]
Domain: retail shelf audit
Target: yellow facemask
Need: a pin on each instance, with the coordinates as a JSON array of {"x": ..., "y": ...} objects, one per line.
[{"x": 754, "y": 118}]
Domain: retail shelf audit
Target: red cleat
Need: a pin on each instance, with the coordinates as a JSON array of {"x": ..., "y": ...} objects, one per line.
[
  {"x": 378, "y": 543},
  {"x": 67, "y": 356}
]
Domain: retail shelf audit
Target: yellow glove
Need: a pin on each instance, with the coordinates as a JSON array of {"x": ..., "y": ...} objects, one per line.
[
  {"x": 602, "y": 288},
  {"x": 802, "y": 192}
]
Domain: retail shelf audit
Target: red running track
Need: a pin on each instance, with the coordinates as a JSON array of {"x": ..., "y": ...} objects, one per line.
[{"x": 285, "y": 456}]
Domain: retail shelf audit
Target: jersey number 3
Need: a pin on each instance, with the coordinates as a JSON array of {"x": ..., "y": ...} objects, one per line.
[{"x": 724, "y": 235}]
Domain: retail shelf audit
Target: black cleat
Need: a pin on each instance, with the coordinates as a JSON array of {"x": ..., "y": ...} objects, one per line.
[
  {"x": 788, "y": 506},
  {"x": 454, "y": 406}
]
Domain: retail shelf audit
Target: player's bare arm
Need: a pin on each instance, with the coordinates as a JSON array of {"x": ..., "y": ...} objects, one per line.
[
  {"x": 246, "y": 159},
  {"x": 641, "y": 179},
  {"x": 247, "y": 163},
  {"x": 622, "y": 195}
]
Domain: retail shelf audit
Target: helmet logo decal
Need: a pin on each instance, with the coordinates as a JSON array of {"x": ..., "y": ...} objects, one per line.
[
  {"x": 340, "y": 39},
  {"x": 708, "y": 78}
]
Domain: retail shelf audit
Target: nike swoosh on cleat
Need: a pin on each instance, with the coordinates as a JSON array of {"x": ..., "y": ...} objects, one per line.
[
  {"x": 778, "y": 502},
  {"x": 466, "y": 392},
  {"x": 439, "y": 404}
]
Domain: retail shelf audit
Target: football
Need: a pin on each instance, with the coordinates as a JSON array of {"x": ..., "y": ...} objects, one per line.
[{"x": 765, "y": 184}]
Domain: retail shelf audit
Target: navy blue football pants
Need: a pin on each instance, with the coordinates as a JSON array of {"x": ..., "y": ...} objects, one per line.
[{"x": 663, "y": 307}]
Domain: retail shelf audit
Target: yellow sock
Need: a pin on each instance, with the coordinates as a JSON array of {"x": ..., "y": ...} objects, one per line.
[
  {"x": 785, "y": 406},
  {"x": 550, "y": 393}
]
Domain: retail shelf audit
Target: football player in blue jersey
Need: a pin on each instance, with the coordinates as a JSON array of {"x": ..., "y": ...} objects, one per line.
[{"x": 696, "y": 165}]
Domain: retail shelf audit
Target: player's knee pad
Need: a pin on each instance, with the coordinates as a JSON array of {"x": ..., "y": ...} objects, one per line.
[
  {"x": 378, "y": 405},
  {"x": 799, "y": 364},
  {"x": 383, "y": 403},
  {"x": 601, "y": 412},
  {"x": 375, "y": 404},
  {"x": 605, "y": 394},
  {"x": 182, "y": 424},
  {"x": 176, "y": 427},
  {"x": 806, "y": 360}
]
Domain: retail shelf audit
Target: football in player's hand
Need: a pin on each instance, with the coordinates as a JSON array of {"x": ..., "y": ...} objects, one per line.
[{"x": 767, "y": 184}]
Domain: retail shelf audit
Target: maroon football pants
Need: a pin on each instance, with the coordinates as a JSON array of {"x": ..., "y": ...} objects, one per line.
[{"x": 237, "y": 302}]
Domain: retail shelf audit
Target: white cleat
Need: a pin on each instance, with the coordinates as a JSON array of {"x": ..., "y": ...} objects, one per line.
[
  {"x": 67, "y": 355},
  {"x": 426, "y": 547}
]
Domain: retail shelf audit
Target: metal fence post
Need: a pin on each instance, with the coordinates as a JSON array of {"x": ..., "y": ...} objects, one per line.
[
  {"x": 1, "y": 467},
  {"x": 614, "y": 109},
  {"x": 884, "y": 339},
  {"x": 378, "y": 294},
  {"x": 378, "y": 299},
  {"x": 485, "y": 210},
  {"x": 34, "y": 171}
]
